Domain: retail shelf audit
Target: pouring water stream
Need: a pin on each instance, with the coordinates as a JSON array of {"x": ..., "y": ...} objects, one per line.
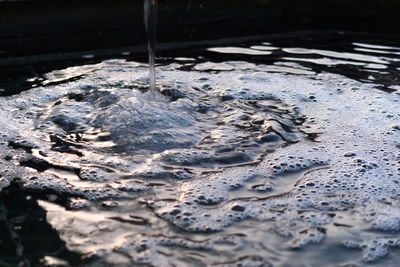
[{"x": 150, "y": 18}]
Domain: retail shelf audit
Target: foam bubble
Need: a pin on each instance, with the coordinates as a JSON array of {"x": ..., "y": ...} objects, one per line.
[
  {"x": 210, "y": 155},
  {"x": 374, "y": 248}
]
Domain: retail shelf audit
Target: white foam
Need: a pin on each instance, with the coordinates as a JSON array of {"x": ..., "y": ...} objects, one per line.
[{"x": 353, "y": 164}]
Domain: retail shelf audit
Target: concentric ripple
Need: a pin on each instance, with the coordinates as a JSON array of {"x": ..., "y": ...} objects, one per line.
[{"x": 229, "y": 164}]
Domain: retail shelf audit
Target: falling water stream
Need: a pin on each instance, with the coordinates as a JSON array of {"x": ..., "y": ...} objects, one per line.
[{"x": 150, "y": 18}]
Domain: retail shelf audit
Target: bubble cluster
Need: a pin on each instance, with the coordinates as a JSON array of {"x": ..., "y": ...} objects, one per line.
[
  {"x": 223, "y": 150},
  {"x": 374, "y": 248}
]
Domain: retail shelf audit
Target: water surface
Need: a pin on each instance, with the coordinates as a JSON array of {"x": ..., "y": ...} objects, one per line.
[{"x": 251, "y": 154}]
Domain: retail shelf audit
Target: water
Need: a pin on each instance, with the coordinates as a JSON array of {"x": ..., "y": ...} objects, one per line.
[
  {"x": 270, "y": 152},
  {"x": 150, "y": 17}
]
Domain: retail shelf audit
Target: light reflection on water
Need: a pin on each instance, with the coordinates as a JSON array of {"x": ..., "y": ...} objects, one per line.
[
  {"x": 239, "y": 50},
  {"x": 252, "y": 154}
]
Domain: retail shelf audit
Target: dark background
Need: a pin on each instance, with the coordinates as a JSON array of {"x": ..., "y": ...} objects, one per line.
[{"x": 42, "y": 27}]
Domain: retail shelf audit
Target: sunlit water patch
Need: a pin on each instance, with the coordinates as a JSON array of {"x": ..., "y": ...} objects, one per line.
[{"x": 231, "y": 163}]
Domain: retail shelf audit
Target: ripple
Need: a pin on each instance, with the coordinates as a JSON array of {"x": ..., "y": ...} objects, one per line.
[{"x": 232, "y": 162}]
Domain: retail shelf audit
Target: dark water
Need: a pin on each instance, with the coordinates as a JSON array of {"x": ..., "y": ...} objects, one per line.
[
  {"x": 16, "y": 79},
  {"x": 26, "y": 236},
  {"x": 282, "y": 151}
]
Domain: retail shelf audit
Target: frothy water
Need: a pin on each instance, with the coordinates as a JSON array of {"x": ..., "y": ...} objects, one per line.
[
  {"x": 150, "y": 17},
  {"x": 237, "y": 163}
]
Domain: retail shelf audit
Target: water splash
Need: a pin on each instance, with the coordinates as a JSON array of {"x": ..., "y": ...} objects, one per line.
[
  {"x": 84, "y": 147},
  {"x": 150, "y": 18}
]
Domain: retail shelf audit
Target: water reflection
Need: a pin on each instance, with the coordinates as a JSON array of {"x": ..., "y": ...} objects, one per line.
[
  {"x": 239, "y": 50},
  {"x": 251, "y": 151},
  {"x": 336, "y": 53},
  {"x": 376, "y": 47},
  {"x": 27, "y": 239}
]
